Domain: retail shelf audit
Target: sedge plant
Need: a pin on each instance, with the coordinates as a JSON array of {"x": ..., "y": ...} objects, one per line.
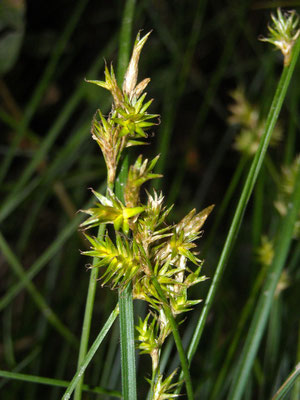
[
  {"x": 140, "y": 255},
  {"x": 139, "y": 247}
]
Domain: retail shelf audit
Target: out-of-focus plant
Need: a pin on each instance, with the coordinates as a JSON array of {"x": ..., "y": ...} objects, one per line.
[{"x": 247, "y": 117}]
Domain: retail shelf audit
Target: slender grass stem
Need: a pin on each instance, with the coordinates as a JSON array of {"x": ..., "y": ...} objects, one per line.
[
  {"x": 248, "y": 308},
  {"x": 75, "y": 382},
  {"x": 127, "y": 343},
  {"x": 124, "y": 50},
  {"x": 179, "y": 346},
  {"x": 288, "y": 384},
  {"x": 261, "y": 314},
  {"x": 245, "y": 196},
  {"x": 125, "y": 39},
  {"x": 87, "y": 319},
  {"x": 54, "y": 382},
  {"x": 296, "y": 390},
  {"x": 128, "y": 367}
]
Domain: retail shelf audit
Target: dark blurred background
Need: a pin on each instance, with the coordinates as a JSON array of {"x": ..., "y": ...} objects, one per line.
[{"x": 198, "y": 52}]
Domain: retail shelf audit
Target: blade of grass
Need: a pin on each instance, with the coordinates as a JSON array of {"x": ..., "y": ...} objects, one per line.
[
  {"x": 54, "y": 382},
  {"x": 288, "y": 384},
  {"x": 88, "y": 357},
  {"x": 261, "y": 315},
  {"x": 23, "y": 364},
  {"x": 42, "y": 85},
  {"x": 296, "y": 391},
  {"x": 246, "y": 312},
  {"x": 245, "y": 196},
  {"x": 35, "y": 294},
  {"x": 87, "y": 320}
]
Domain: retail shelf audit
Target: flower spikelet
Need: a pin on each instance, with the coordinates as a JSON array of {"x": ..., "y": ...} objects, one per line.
[
  {"x": 163, "y": 388},
  {"x": 138, "y": 174},
  {"x": 121, "y": 259},
  {"x": 246, "y": 115},
  {"x": 130, "y": 79},
  {"x": 110, "y": 210},
  {"x": 284, "y": 32}
]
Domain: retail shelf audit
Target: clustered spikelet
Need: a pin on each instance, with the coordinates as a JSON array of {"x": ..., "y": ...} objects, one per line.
[
  {"x": 265, "y": 252},
  {"x": 284, "y": 32},
  {"x": 143, "y": 245},
  {"x": 128, "y": 118},
  {"x": 251, "y": 125}
]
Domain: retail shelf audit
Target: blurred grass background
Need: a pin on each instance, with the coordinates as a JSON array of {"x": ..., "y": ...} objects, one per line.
[{"x": 198, "y": 52}]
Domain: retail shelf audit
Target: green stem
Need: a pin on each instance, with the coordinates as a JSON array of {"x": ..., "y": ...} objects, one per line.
[
  {"x": 54, "y": 382},
  {"x": 127, "y": 343},
  {"x": 237, "y": 334},
  {"x": 179, "y": 346},
  {"x": 124, "y": 57},
  {"x": 128, "y": 367},
  {"x": 125, "y": 39},
  {"x": 88, "y": 357},
  {"x": 262, "y": 312},
  {"x": 245, "y": 196},
  {"x": 288, "y": 384},
  {"x": 87, "y": 318},
  {"x": 296, "y": 391}
]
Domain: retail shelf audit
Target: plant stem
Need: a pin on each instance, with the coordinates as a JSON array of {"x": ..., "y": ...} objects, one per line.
[
  {"x": 128, "y": 367},
  {"x": 179, "y": 346},
  {"x": 54, "y": 382},
  {"x": 260, "y": 318},
  {"x": 124, "y": 57},
  {"x": 87, "y": 318},
  {"x": 248, "y": 308},
  {"x": 125, "y": 39},
  {"x": 245, "y": 196},
  {"x": 77, "y": 378},
  {"x": 288, "y": 384}
]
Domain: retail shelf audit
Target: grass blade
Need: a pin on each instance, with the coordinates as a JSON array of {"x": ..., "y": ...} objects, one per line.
[
  {"x": 78, "y": 376},
  {"x": 288, "y": 384},
  {"x": 246, "y": 193},
  {"x": 53, "y": 382},
  {"x": 263, "y": 308}
]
